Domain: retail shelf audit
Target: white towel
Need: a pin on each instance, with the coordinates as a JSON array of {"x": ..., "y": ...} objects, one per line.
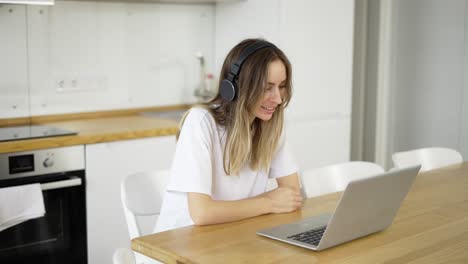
[{"x": 19, "y": 204}]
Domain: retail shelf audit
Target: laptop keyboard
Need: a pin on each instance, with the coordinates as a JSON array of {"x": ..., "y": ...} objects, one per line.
[{"x": 310, "y": 237}]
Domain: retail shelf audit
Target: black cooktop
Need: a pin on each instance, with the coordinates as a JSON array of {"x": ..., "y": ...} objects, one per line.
[{"x": 31, "y": 131}]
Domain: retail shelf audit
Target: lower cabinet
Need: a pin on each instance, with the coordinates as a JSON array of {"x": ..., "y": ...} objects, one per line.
[{"x": 106, "y": 165}]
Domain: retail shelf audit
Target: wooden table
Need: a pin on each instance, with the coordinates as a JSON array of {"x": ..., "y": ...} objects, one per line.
[{"x": 431, "y": 227}]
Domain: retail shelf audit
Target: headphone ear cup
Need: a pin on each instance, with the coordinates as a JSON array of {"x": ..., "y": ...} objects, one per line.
[{"x": 228, "y": 90}]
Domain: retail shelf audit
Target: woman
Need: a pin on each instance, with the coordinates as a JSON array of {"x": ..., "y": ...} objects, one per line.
[{"x": 229, "y": 147}]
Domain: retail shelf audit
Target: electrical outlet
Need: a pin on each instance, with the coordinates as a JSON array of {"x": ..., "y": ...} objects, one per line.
[
  {"x": 67, "y": 85},
  {"x": 81, "y": 82},
  {"x": 60, "y": 85}
]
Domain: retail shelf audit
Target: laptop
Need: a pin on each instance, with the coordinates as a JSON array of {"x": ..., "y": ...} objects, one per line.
[{"x": 367, "y": 206}]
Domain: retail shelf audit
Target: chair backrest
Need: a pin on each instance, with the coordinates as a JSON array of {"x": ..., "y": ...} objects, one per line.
[
  {"x": 334, "y": 178},
  {"x": 142, "y": 195},
  {"x": 123, "y": 256},
  {"x": 429, "y": 158}
]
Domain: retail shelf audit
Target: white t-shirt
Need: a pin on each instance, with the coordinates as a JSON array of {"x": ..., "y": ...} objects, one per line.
[{"x": 198, "y": 167}]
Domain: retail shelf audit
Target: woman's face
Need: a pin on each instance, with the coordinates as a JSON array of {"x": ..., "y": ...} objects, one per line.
[{"x": 273, "y": 93}]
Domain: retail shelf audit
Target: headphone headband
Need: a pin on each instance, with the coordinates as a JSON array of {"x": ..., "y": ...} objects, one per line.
[{"x": 235, "y": 68}]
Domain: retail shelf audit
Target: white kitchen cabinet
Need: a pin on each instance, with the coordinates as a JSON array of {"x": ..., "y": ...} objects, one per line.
[
  {"x": 106, "y": 165},
  {"x": 13, "y": 68}
]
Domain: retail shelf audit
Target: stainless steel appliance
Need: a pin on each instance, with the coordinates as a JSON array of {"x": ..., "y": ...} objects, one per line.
[{"x": 59, "y": 236}]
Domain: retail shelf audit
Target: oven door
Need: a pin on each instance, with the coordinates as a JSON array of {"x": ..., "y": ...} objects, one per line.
[{"x": 59, "y": 236}]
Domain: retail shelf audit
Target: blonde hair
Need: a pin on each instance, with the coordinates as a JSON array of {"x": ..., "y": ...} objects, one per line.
[{"x": 254, "y": 143}]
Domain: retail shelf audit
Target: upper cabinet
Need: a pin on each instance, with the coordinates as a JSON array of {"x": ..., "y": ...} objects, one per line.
[{"x": 14, "y": 67}]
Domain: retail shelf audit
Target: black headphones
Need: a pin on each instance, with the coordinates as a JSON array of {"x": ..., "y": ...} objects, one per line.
[{"x": 228, "y": 88}]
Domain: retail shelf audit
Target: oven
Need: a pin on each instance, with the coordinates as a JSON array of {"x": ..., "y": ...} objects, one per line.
[{"x": 60, "y": 235}]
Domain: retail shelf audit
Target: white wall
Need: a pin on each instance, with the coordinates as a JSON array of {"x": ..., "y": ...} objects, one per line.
[
  {"x": 317, "y": 36},
  {"x": 87, "y": 56},
  {"x": 431, "y": 92}
]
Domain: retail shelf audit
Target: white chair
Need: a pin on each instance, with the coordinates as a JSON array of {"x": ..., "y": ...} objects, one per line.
[
  {"x": 429, "y": 158},
  {"x": 335, "y": 178},
  {"x": 142, "y": 195},
  {"x": 123, "y": 256}
]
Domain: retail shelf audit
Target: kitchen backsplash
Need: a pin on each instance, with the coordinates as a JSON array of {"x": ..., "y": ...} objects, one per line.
[{"x": 87, "y": 56}]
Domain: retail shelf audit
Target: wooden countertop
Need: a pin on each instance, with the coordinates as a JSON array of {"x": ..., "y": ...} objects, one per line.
[
  {"x": 95, "y": 128},
  {"x": 430, "y": 227}
]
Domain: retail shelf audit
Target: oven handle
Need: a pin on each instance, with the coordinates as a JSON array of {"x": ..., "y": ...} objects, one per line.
[{"x": 74, "y": 181}]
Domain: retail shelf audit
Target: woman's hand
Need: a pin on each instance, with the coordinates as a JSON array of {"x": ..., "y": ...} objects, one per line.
[{"x": 284, "y": 199}]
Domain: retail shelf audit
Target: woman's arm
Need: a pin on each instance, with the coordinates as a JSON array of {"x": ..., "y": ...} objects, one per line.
[
  {"x": 205, "y": 211},
  {"x": 291, "y": 181}
]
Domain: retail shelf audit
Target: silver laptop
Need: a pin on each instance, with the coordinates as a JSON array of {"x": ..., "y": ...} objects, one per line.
[{"x": 367, "y": 206}]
